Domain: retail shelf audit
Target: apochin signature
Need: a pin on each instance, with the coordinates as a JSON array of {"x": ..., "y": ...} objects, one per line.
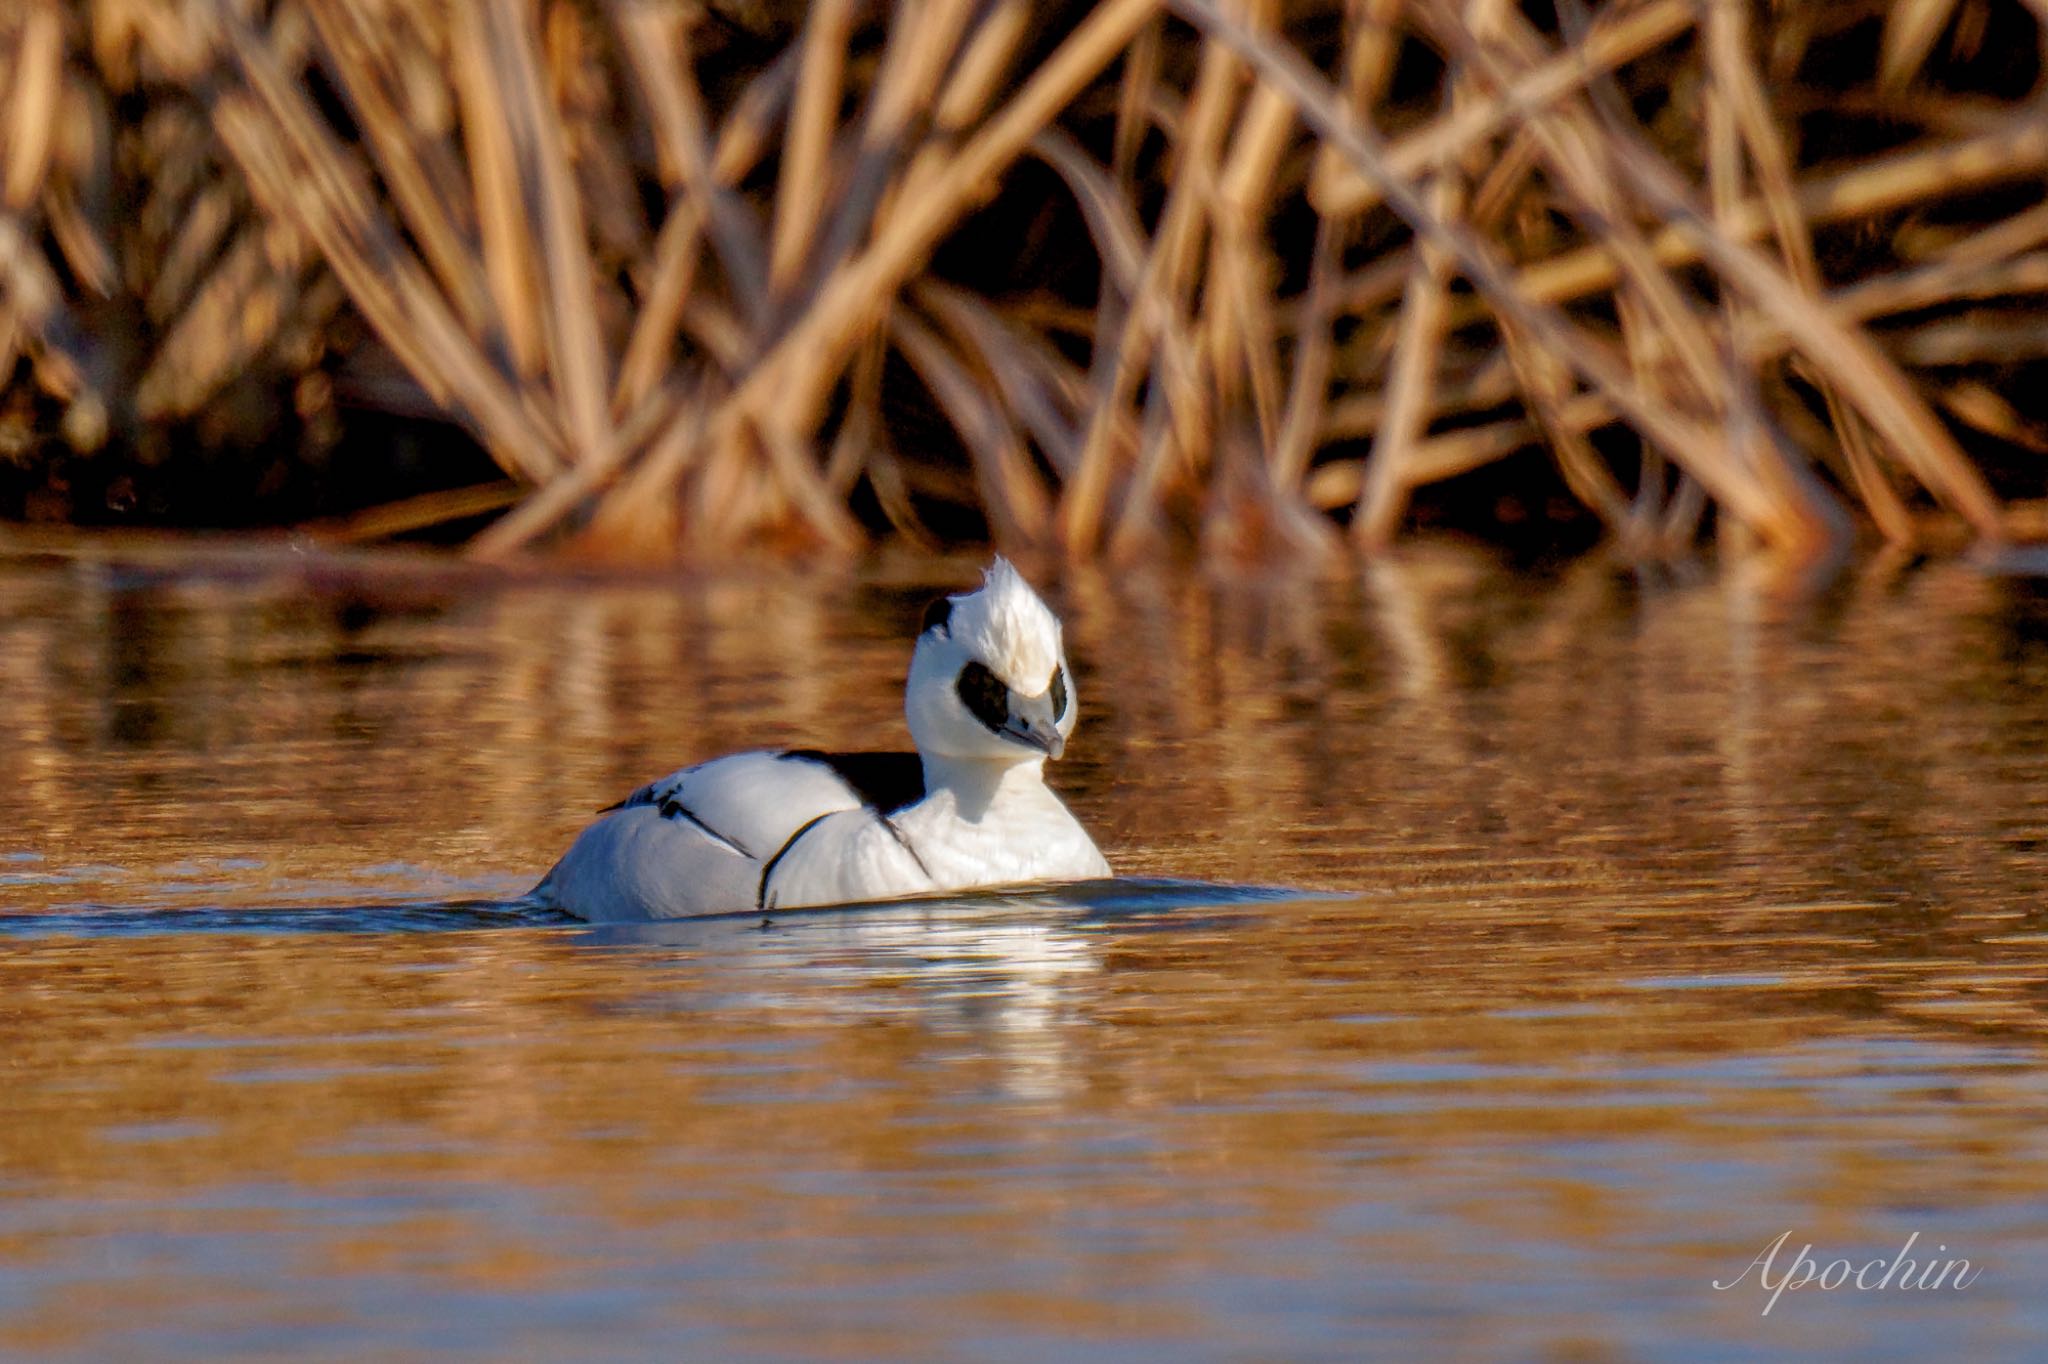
[{"x": 1872, "y": 1276}]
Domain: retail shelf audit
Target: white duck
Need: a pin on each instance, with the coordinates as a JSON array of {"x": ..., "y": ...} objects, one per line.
[{"x": 989, "y": 699}]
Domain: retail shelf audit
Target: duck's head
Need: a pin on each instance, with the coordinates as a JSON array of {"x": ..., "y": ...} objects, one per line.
[{"x": 989, "y": 681}]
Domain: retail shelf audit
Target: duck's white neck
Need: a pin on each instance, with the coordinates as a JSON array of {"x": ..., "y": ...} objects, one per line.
[{"x": 978, "y": 785}]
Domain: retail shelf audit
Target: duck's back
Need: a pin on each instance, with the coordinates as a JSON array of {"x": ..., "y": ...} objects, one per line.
[{"x": 700, "y": 841}]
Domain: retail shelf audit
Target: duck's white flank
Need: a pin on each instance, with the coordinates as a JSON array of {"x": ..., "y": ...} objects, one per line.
[{"x": 989, "y": 699}]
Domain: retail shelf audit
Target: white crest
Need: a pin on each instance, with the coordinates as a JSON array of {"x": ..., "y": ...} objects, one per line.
[{"x": 1009, "y": 628}]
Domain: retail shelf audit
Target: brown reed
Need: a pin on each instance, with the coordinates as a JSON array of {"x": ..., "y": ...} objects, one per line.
[{"x": 704, "y": 275}]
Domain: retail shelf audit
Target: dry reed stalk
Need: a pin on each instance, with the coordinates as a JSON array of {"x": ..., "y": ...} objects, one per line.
[
  {"x": 923, "y": 38},
  {"x": 1970, "y": 265},
  {"x": 916, "y": 227},
  {"x": 665, "y": 293},
  {"x": 1971, "y": 338},
  {"x": 36, "y": 300},
  {"x": 38, "y": 320},
  {"x": 1738, "y": 96},
  {"x": 1119, "y": 241},
  {"x": 1304, "y": 415},
  {"x": 31, "y": 113},
  {"x": 670, "y": 292},
  {"x": 1979, "y": 508},
  {"x": 800, "y": 480},
  {"x": 975, "y": 80},
  {"x": 1235, "y": 334},
  {"x": 923, "y": 42},
  {"x": 1842, "y": 352},
  {"x": 1856, "y": 368},
  {"x": 1575, "y": 147},
  {"x": 576, "y": 359},
  {"x": 1233, "y": 380},
  {"x": 1947, "y": 281},
  {"x": 506, "y": 236},
  {"x": 863, "y": 424},
  {"x": 1368, "y": 61},
  {"x": 149, "y": 251},
  {"x": 2012, "y": 148},
  {"x": 1984, "y": 264},
  {"x": 1238, "y": 335},
  {"x": 797, "y": 363},
  {"x": 208, "y": 223},
  {"x": 1671, "y": 346},
  {"x": 2016, "y": 149},
  {"x": 81, "y": 240},
  {"x": 1337, "y": 484},
  {"x": 704, "y": 171},
  {"x": 1035, "y": 382},
  {"x": 1009, "y": 488},
  {"x": 700, "y": 165},
  {"x": 1671, "y": 323},
  {"x": 818, "y": 340},
  {"x": 401, "y": 305},
  {"x": 1794, "y": 529},
  {"x": 418, "y": 172},
  {"x": 1911, "y": 28},
  {"x": 1418, "y": 336},
  {"x": 414, "y": 513},
  {"x": 1410, "y": 379},
  {"x": 1678, "y": 365},
  {"x": 216, "y": 333},
  {"x": 705, "y": 177},
  {"x": 1150, "y": 315},
  {"x": 1137, "y": 95},
  {"x": 302, "y": 175},
  {"x": 1611, "y": 44},
  {"x": 813, "y": 117},
  {"x": 1548, "y": 387}
]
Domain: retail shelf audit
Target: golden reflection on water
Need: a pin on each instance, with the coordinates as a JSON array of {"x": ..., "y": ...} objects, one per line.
[{"x": 1673, "y": 916}]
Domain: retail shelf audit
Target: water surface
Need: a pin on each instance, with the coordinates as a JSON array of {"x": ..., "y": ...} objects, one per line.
[{"x": 1658, "y": 918}]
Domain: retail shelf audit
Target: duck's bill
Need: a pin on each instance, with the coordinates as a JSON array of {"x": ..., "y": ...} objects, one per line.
[{"x": 1047, "y": 741}]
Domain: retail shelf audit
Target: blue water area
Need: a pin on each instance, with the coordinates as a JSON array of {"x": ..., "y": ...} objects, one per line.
[{"x": 1665, "y": 919}]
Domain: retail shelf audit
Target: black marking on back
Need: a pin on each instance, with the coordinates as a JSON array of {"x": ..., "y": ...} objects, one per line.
[
  {"x": 885, "y": 782},
  {"x": 671, "y": 808},
  {"x": 939, "y": 615},
  {"x": 984, "y": 695},
  {"x": 647, "y": 795},
  {"x": 761, "y": 893},
  {"x": 904, "y": 844}
]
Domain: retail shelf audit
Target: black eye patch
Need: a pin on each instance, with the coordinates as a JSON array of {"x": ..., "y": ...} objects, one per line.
[
  {"x": 984, "y": 695},
  {"x": 1059, "y": 693}
]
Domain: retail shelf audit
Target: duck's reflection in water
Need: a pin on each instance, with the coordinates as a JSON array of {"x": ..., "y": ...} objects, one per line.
[{"x": 1004, "y": 972}]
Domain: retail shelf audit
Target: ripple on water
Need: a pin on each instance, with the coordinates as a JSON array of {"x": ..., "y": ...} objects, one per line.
[{"x": 1666, "y": 919}]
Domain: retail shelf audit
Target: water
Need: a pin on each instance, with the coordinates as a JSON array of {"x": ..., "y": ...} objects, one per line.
[{"x": 1657, "y": 919}]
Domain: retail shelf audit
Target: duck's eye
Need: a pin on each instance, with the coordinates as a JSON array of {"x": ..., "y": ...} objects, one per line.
[
  {"x": 938, "y": 615},
  {"x": 984, "y": 695},
  {"x": 1059, "y": 693}
]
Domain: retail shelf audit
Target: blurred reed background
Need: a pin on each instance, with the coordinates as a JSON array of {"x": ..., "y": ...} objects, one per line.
[{"x": 1105, "y": 279}]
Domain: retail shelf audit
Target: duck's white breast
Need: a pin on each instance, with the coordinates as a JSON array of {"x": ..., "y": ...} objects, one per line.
[{"x": 1028, "y": 835}]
